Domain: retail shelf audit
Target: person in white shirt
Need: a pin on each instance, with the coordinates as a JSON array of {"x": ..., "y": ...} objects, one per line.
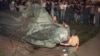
[
  {"x": 12, "y": 6},
  {"x": 28, "y": 3},
  {"x": 62, "y": 10},
  {"x": 43, "y": 3}
]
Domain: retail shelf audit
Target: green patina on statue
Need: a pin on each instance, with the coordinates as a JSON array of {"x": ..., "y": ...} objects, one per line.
[{"x": 34, "y": 26}]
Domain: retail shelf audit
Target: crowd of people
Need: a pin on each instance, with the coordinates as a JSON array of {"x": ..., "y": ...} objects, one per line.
[{"x": 70, "y": 11}]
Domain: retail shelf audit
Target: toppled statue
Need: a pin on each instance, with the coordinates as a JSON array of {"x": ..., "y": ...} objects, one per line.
[{"x": 34, "y": 26}]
